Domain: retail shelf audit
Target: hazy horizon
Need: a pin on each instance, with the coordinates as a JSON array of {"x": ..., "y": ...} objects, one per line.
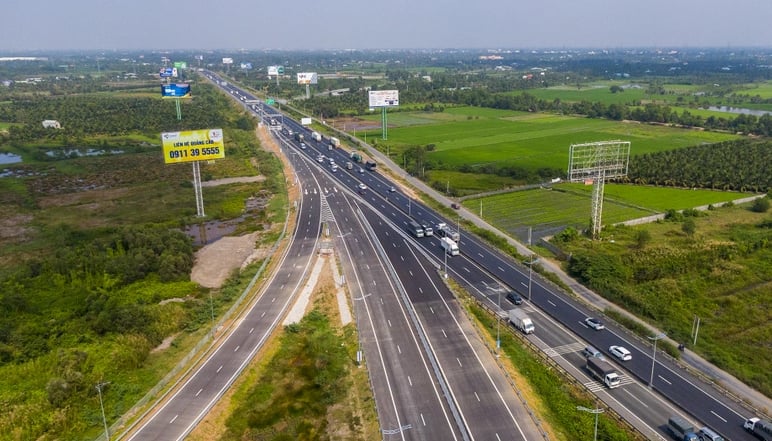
[{"x": 48, "y": 25}]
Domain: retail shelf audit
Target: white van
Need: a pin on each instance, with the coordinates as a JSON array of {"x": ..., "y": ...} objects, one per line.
[
  {"x": 590, "y": 352},
  {"x": 707, "y": 434}
]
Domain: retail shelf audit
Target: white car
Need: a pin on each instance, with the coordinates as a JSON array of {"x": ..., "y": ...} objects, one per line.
[
  {"x": 594, "y": 323},
  {"x": 362, "y": 187},
  {"x": 620, "y": 353}
]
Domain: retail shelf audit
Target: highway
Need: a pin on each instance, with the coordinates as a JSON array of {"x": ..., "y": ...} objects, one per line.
[
  {"x": 189, "y": 402},
  {"x": 561, "y": 331}
]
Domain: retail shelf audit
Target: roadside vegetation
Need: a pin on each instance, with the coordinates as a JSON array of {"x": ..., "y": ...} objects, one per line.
[
  {"x": 310, "y": 387},
  {"x": 96, "y": 256},
  {"x": 714, "y": 265}
]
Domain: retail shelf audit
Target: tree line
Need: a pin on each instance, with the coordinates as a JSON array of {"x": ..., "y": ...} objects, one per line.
[{"x": 739, "y": 165}]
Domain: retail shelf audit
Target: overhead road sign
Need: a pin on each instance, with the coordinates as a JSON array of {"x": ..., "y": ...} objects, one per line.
[
  {"x": 383, "y": 98},
  {"x": 192, "y": 145},
  {"x": 181, "y": 64}
]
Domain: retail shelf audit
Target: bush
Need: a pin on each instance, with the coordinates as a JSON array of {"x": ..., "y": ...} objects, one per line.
[{"x": 761, "y": 205}]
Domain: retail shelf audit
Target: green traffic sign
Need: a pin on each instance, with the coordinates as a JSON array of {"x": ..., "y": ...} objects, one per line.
[{"x": 270, "y": 101}]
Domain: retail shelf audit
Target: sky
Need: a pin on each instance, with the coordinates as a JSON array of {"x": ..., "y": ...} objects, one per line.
[{"x": 44, "y": 25}]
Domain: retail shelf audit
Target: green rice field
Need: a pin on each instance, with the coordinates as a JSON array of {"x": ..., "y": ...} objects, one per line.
[
  {"x": 476, "y": 136},
  {"x": 549, "y": 210}
]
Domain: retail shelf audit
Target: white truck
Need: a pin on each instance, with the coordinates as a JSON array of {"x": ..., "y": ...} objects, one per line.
[
  {"x": 449, "y": 246},
  {"x": 603, "y": 371},
  {"x": 519, "y": 318},
  {"x": 761, "y": 428},
  {"x": 335, "y": 142},
  {"x": 443, "y": 230},
  {"x": 316, "y": 136}
]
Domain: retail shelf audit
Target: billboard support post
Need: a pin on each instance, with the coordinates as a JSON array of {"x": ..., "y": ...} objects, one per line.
[
  {"x": 193, "y": 146},
  {"x": 593, "y": 163},
  {"x": 384, "y": 124}
]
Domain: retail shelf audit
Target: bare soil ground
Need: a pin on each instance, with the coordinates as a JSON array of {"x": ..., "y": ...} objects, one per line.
[{"x": 215, "y": 262}]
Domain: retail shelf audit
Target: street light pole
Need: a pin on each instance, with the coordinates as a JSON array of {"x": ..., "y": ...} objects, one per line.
[
  {"x": 530, "y": 270},
  {"x": 659, "y": 336},
  {"x": 596, "y": 412},
  {"x": 498, "y": 324},
  {"x": 446, "y": 263},
  {"x": 102, "y": 406}
]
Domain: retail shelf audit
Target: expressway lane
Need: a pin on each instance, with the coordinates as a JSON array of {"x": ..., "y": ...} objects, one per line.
[
  {"x": 408, "y": 398},
  {"x": 482, "y": 396}
]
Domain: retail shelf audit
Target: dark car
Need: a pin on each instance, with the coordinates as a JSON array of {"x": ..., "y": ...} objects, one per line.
[
  {"x": 515, "y": 298},
  {"x": 455, "y": 206}
]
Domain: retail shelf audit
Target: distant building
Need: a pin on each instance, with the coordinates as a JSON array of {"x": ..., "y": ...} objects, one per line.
[{"x": 51, "y": 124}]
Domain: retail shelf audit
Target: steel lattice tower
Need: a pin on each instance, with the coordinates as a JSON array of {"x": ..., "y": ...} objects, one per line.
[{"x": 593, "y": 163}]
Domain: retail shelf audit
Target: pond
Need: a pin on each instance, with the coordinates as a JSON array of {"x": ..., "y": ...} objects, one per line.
[
  {"x": 739, "y": 110},
  {"x": 9, "y": 158}
]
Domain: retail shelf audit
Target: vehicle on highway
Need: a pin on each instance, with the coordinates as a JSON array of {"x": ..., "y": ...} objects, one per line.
[
  {"x": 455, "y": 206},
  {"x": 334, "y": 167},
  {"x": 515, "y": 298},
  {"x": 761, "y": 428},
  {"x": 708, "y": 434},
  {"x": 450, "y": 247},
  {"x": 361, "y": 170},
  {"x": 603, "y": 371},
  {"x": 392, "y": 189},
  {"x": 428, "y": 231},
  {"x": 591, "y": 352},
  {"x": 443, "y": 230},
  {"x": 621, "y": 353},
  {"x": 414, "y": 228},
  {"x": 681, "y": 429},
  {"x": 303, "y": 145},
  {"x": 362, "y": 186},
  {"x": 371, "y": 165},
  {"x": 519, "y": 319},
  {"x": 594, "y": 323}
]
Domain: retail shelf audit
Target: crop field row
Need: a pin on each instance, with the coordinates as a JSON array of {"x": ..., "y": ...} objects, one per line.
[{"x": 548, "y": 210}]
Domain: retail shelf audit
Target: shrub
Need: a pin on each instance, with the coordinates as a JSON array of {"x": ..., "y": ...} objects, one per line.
[{"x": 760, "y": 205}]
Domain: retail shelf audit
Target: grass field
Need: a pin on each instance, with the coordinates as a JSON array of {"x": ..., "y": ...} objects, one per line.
[
  {"x": 547, "y": 211},
  {"x": 475, "y": 136}
]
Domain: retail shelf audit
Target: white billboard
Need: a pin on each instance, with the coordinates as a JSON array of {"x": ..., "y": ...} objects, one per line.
[
  {"x": 305, "y": 121},
  {"x": 384, "y": 98},
  {"x": 307, "y": 78},
  {"x": 275, "y": 70},
  {"x": 227, "y": 61}
]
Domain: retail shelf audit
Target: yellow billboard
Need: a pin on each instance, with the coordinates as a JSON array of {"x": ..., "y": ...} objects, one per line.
[{"x": 192, "y": 145}]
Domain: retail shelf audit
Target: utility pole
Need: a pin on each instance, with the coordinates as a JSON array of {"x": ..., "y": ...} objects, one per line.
[{"x": 99, "y": 387}]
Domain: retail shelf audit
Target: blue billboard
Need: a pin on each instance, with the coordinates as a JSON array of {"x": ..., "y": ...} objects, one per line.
[
  {"x": 175, "y": 90},
  {"x": 167, "y": 72}
]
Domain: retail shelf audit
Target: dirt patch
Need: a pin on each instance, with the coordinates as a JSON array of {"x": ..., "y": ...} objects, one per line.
[
  {"x": 353, "y": 124},
  {"x": 216, "y": 261},
  {"x": 14, "y": 229}
]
